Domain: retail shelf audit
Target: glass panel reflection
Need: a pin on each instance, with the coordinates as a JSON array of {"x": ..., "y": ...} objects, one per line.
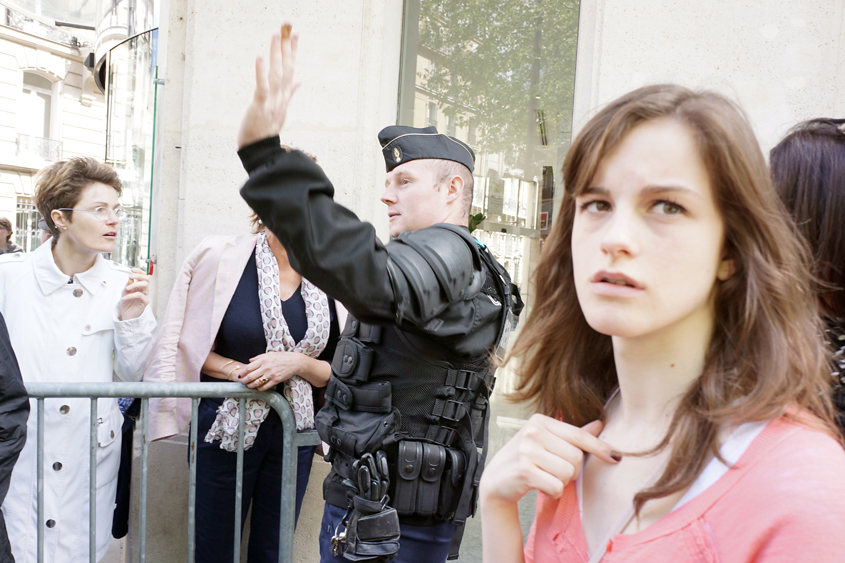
[
  {"x": 500, "y": 76},
  {"x": 132, "y": 69}
]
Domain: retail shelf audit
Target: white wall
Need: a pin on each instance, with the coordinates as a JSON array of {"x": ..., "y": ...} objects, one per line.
[
  {"x": 782, "y": 60},
  {"x": 349, "y": 64}
]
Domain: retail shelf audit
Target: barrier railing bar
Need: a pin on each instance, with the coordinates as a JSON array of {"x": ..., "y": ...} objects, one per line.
[
  {"x": 192, "y": 482},
  {"x": 92, "y": 482},
  {"x": 145, "y": 451},
  {"x": 292, "y": 440},
  {"x": 39, "y": 461},
  {"x": 239, "y": 479},
  {"x": 288, "y": 509}
]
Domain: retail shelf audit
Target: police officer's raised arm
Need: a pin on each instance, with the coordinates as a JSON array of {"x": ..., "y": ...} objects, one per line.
[{"x": 408, "y": 281}]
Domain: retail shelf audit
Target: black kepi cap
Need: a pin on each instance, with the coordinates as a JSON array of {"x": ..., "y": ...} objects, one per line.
[{"x": 400, "y": 144}]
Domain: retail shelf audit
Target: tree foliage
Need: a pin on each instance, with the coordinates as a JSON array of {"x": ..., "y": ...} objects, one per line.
[{"x": 483, "y": 53}]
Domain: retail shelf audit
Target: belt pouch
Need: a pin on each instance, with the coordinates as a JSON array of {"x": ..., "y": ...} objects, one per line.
[
  {"x": 356, "y": 433},
  {"x": 451, "y": 484},
  {"x": 409, "y": 464},
  {"x": 352, "y": 361},
  {"x": 428, "y": 489},
  {"x": 372, "y": 397}
]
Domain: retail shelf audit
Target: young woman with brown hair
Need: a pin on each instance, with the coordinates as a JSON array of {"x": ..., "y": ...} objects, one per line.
[{"x": 673, "y": 322}]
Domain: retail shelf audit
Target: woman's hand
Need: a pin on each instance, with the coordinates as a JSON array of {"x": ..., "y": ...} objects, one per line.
[
  {"x": 135, "y": 297},
  {"x": 546, "y": 454},
  {"x": 271, "y": 368}
]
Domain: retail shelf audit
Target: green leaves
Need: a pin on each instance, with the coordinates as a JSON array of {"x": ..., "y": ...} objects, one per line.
[
  {"x": 498, "y": 61},
  {"x": 475, "y": 220}
]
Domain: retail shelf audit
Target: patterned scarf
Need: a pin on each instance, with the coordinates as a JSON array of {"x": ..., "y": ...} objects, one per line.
[{"x": 297, "y": 391}]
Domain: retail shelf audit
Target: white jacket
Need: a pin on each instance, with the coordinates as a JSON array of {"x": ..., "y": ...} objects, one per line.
[{"x": 63, "y": 332}]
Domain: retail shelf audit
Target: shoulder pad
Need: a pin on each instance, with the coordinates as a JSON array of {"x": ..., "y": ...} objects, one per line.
[
  {"x": 433, "y": 268},
  {"x": 12, "y": 257}
]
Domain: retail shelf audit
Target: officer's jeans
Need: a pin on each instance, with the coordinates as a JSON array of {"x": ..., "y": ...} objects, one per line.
[
  {"x": 419, "y": 544},
  {"x": 262, "y": 485}
]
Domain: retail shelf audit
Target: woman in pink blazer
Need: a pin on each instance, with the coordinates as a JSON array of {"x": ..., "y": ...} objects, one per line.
[{"x": 239, "y": 312}]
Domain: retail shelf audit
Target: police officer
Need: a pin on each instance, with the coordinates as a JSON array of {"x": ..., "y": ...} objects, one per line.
[{"x": 406, "y": 412}]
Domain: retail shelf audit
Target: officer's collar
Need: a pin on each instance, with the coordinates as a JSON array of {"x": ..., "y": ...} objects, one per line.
[{"x": 50, "y": 277}]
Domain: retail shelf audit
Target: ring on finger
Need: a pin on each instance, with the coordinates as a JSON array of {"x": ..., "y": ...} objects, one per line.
[{"x": 263, "y": 381}]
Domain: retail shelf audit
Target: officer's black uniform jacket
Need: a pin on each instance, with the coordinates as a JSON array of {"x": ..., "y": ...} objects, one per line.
[
  {"x": 328, "y": 245},
  {"x": 14, "y": 411}
]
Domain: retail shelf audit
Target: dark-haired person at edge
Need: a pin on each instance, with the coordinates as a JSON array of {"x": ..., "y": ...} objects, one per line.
[
  {"x": 674, "y": 358},
  {"x": 808, "y": 171},
  {"x": 14, "y": 410},
  {"x": 406, "y": 406},
  {"x": 6, "y": 244},
  {"x": 239, "y": 312}
]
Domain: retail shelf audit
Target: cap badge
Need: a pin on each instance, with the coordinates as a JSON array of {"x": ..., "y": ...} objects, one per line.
[{"x": 397, "y": 154}]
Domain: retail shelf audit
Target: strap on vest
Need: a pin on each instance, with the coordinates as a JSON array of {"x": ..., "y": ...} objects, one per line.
[{"x": 469, "y": 494}]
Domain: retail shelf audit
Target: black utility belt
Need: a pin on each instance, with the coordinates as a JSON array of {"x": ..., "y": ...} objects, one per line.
[{"x": 427, "y": 480}]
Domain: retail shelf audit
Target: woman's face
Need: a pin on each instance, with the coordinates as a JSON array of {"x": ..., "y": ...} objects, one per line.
[
  {"x": 86, "y": 231},
  {"x": 647, "y": 240}
]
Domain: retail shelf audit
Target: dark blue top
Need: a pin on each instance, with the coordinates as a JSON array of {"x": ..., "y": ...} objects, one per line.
[{"x": 241, "y": 334}]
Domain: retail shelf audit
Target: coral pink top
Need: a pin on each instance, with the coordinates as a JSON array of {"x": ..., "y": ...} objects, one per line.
[{"x": 784, "y": 501}]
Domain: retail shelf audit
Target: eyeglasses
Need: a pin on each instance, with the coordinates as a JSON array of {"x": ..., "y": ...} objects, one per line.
[{"x": 101, "y": 213}]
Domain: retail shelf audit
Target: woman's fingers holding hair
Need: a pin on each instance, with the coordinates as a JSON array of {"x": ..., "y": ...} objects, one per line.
[
  {"x": 545, "y": 454},
  {"x": 584, "y": 438}
]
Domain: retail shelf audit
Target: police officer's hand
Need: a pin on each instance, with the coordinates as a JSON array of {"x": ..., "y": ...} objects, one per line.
[
  {"x": 546, "y": 454},
  {"x": 274, "y": 87},
  {"x": 135, "y": 297}
]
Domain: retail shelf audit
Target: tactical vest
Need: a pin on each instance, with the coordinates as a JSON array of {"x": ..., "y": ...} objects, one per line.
[{"x": 427, "y": 409}]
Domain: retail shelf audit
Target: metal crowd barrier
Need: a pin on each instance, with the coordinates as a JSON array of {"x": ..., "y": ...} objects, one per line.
[{"x": 194, "y": 391}]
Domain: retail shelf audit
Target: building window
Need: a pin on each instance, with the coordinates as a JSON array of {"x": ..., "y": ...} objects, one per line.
[
  {"x": 35, "y": 120},
  {"x": 37, "y": 104},
  {"x": 432, "y": 114},
  {"x": 450, "y": 125},
  {"x": 27, "y": 233}
]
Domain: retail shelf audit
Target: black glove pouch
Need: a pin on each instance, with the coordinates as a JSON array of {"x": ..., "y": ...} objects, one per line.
[{"x": 372, "y": 531}]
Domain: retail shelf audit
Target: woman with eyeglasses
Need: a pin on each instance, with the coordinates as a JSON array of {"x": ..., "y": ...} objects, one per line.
[{"x": 73, "y": 316}]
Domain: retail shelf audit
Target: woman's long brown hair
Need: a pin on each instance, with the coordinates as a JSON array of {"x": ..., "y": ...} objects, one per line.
[{"x": 766, "y": 357}]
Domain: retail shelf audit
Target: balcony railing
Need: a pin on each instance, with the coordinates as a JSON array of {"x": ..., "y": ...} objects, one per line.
[{"x": 45, "y": 149}]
